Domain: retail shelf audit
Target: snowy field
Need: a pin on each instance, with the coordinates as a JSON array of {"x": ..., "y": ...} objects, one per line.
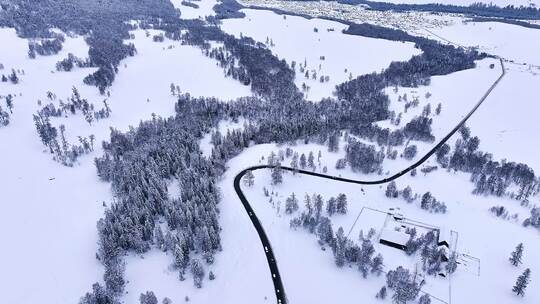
[
  {"x": 493, "y": 38},
  {"x": 455, "y": 94},
  {"x": 57, "y": 207},
  {"x": 513, "y": 103},
  {"x": 187, "y": 12},
  {"x": 480, "y": 235},
  {"x": 513, "y": 111},
  {"x": 355, "y": 55}
]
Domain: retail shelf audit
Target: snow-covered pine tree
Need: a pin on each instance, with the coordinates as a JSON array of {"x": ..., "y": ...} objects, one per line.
[
  {"x": 197, "y": 271},
  {"x": 148, "y": 298},
  {"x": 364, "y": 257},
  {"x": 516, "y": 255},
  {"x": 249, "y": 179},
  {"x": 522, "y": 282},
  {"x": 331, "y": 206},
  {"x": 311, "y": 160},
  {"x": 291, "y": 204},
  {"x": 303, "y": 161},
  {"x": 377, "y": 264},
  {"x": 333, "y": 142},
  {"x": 339, "y": 253},
  {"x": 341, "y": 204},
  {"x": 424, "y": 299},
  {"x": 277, "y": 175},
  {"x": 381, "y": 294},
  {"x": 391, "y": 190},
  {"x": 294, "y": 162}
]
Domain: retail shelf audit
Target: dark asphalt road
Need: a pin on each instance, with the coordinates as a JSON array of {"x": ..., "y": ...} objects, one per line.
[{"x": 272, "y": 263}]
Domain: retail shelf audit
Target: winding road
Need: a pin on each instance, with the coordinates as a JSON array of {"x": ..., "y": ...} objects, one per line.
[{"x": 272, "y": 263}]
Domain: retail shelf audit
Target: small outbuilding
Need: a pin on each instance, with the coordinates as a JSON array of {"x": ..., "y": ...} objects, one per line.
[{"x": 394, "y": 238}]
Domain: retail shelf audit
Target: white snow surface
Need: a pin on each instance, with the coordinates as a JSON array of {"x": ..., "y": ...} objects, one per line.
[
  {"x": 507, "y": 120},
  {"x": 456, "y": 96},
  {"x": 223, "y": 127},
  {"x": 51, "y": 211},
  {"x": 512, "y": 42},
  {"x": 507, "y": 125},
  {"x": 294, "y": 39},
  {"x": 206, "y": 8},
  {"x": 310, "y": 275}
]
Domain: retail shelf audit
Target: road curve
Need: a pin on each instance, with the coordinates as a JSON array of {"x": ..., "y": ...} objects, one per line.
[{"x": 272, "y": 263}]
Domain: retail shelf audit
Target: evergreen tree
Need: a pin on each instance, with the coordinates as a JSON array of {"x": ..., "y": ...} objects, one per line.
[
  {"x": 438, "y": 109},
  {"x": 307, "y": 203},
  {"x": 249, "y": 178},
  {"x": 516, "y": 255},
  {"x": 4, "y": 117},
  {"x": 331, "y": 206},
  {"x": 410, "y": 152},
  {"x": 377, "y": 264},
  {"x": 339, "y": 253},
  {"x": 522, "y": 282},
  {"x": 272, "y": 159},
  {"x": 114, "y": 276},
  {"x": 166, "y": 301},
  {"x": 317, "y": 205},
  {"x": 9, "y": 103},
  {"x": 13, "y": 77},
  {"x": 341, "y": 163},
  {"x": 197, "y": 271},
  {"x": 291, "y": 204},
  {"x": 99, "y": 295},
  {"x": 180, "y": 258},
  {"x": 303, "y": 161},
  {"x": 311, "y": 160},
  {"x": 407, "y": 194},
  {"x": 364, "y": 257},
  {"x": 424, "y": 299},
  {"x": 333, "y": 142},
  {"x": 391, "y": 190},
  {"x": 325, "y": 232},
  {"x": 382, "y": 293},
  {"x": 148, "y": 298},
  {"x": 277, "y": 175},
  {"x": 294, "y": 163},
  {"x": 341, "y": 205}
]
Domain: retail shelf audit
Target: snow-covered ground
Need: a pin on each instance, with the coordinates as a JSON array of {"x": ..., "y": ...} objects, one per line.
[
  {"x": 295, "y": 39},
  {"x": 51, "y": 211},
  {"x": 223, "y": 127},
  {"x": 310, "y": 275},
  {"x": 457, "y": 93},
  {"x": 187, "y": 12},
  {"x": 511, "y": 107},
  {"x": 509, "y": 41},
  {"x": 507, "y": 125}
]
